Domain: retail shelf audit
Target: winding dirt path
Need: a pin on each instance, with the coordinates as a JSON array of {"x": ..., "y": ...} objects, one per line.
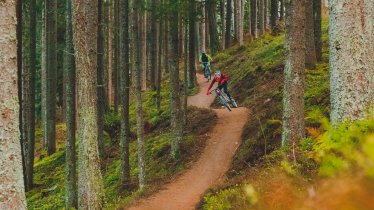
[{"x": 210, "y": 169}]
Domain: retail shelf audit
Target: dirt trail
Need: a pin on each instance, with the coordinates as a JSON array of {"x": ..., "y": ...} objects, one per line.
[{"x": 210, "y": 169}]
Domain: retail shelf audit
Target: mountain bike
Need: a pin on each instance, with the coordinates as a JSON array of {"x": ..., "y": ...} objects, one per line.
[
  {"x": 207, "y": 71},
  {"x": 224, "y": 99}
]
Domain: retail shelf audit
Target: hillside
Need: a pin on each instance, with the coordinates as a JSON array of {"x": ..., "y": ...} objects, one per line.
[{"x": 335, "y": 169}]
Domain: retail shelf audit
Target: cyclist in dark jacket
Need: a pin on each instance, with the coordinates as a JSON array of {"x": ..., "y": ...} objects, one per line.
[{"x": 222, "y": 80}]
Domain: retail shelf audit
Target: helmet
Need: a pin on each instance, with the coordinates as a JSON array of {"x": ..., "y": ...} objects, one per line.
[{"x": 217, "y": 74}]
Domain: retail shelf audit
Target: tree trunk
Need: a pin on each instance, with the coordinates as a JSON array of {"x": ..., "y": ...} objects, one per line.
[
  {"x": 125, "y": 93},
  {"x": 153, "y": 44},
  {"x": 160, "y": 64},
  {"x": 143, "y": 36},
  {"x": 310, "y": 50},
  {"x": 116, "y": 59},
  {"x": 281, "y": 18},
  {"x": 265, "y": 15},
  {"x": 110, "y": 54},
  {"x": 71, "y": 200},
  {"x": 215, "y": 45},
  {"x": 274, "y": 16},
  {"x": 236, "y": 19},
  {"x": 223, "y": 22},
  {"x": 203, "y": 22},
  {"x": 261, "y": 28},
  {"x": 49, "y": 126},
  {"x": 85, "y": 23},
  {"x": 241, "y": 23},
  {"x": 228, "y": 23},
  {"x": 293, "y": 98},
  {"x": 176, "y": 122},
  {"x": 351, "y": 59},
  {"x": 100, "y": 81},
  {"x": 254, "y": 9},
  {"x": 30, "y": 112},
  {"x": 43, "y": 74},
  {"x": 191, "y": 47},
  {"x": 317, "y": 8},
  {"x": 185, "y": 74},
  {"x": 138, "y": 68},
  {"x": 12, "y": 191}
]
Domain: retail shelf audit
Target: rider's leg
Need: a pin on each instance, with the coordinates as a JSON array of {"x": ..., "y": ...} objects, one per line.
[
  {"x": 204, "y": 67},
  {"x": 225, "y": 89}
]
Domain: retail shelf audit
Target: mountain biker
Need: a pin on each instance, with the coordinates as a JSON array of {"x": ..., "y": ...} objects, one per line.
[
  {"x": 222, "y": 80},
  {"x": 205, "y": 59}
]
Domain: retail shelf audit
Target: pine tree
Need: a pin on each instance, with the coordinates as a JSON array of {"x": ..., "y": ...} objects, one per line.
[
  {"x": 310, "y": 50},
  {"x": 71, "y": 200},
  {"x": 317, "y": 8},
  {"x": 125, "y": 92},
  {"x": 100, "y": 81},
  {"x": 12, "y": 189},
  {"x": 215, "y": 44},
  {"x": 90, "y": 188},
  {"x": 293, "y": 93},
  {"x": 192, "y": 44},
  {"x": 49, "y": 125},
  {"x": 136, "y": 17},
  {"x": 254, "y": 18},
  {"x": 176, "y": 122},
  {"x": 274, "y": 16}
]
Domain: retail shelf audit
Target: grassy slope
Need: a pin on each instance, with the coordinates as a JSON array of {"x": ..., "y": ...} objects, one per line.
[
  {"x": 49, "y": 171},
  {"x": 260, "y": 179}
]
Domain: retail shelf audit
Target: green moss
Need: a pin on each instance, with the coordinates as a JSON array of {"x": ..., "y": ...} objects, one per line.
[{"x": 237, "y": 197}]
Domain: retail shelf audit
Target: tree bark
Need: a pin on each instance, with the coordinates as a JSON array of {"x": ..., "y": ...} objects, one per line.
[
  {"x": 71, "y": 200},
  {"x": 125, "y": 93},
  {"x": 85, "y": 21},
  {"x": 241, "y": 23},
  {"x": 293, "y": 95},
  {"x": 160, "y": 64},
  {"x": 143, "y": 36},
  {"x": 153, "y": 44},
  {"x": 310, "y": 50},
  {"x": 116, "y": 59},
  {"x": 281, "y": 18},
  {"x": 215, "y": 45},
  {"x": 185, "y": 74},
  {"x": 261, "y": 28},
  {"x": 351, "y": 59},
  {"x": 317, "y": 8},
  {"x": 274, "y": 16},
  {"x": 228, "y": 23},
  {"x": 49, "y": 125},
  {"x": 192, "y": 8},
  {"x": 30, "y": 92},
  {"x": 192, "y": 42},
  {"x": 12, "y": 191},
  {"x": 100, "y": 81},
  {"x": 138, "y": 68},
  {"x": 254, "y": 18},
  {"x": 223, "y": 22},
  {"x": 176, "y": 122}
]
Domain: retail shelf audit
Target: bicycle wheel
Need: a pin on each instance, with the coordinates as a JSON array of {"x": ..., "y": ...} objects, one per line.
[
  {"x": 223, "y": 101},
  {"x": 233, "y": 103}
]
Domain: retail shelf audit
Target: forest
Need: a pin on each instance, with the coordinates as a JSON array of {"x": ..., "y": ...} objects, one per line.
[{"x": 187, "y": 104}]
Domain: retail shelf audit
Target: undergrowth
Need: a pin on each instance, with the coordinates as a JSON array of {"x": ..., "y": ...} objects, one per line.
[{"x": 49, "y": 172}]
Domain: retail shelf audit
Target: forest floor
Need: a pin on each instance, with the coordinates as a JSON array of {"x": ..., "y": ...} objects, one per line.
[{"x": 210, "y": 169}]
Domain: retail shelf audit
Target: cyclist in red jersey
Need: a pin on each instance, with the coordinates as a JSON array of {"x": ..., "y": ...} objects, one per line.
[{"x": 222, "y": 80}]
